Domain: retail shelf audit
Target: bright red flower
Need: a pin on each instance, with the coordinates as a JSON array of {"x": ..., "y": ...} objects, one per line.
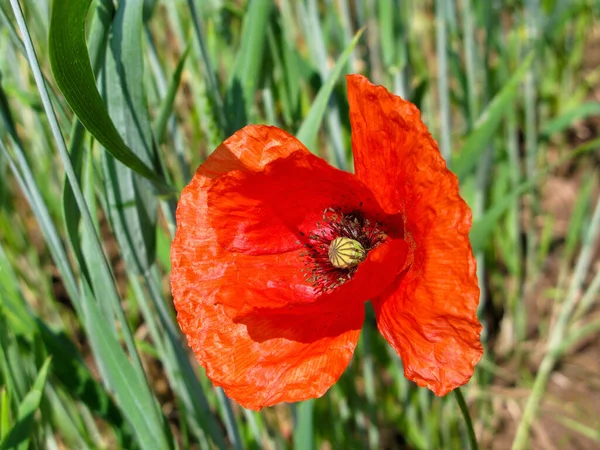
[{"x": 276, "y": 252}]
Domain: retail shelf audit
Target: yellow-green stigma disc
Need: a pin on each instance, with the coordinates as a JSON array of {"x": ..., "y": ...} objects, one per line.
[{"x": 345, "y": 253}]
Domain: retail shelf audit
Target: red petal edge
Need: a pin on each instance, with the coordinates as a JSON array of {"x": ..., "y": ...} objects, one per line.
[{"x": 429, "y": 316}]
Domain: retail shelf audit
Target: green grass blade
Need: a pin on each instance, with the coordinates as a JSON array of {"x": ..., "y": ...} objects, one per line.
[
  {"x": 310, "y": 126},
  {"x": 304, "y": 433},
  {"x": 476, "y": 144},
  {"x": 12, "y": 371},
  {"x": 484, "y": 226},
  {"x": 386, "y": 11},
  {"x": 319, "y": 51},
  {"x": 210, "y": 72},
  {"x": 124, "y": 71},
  {"x": 467, "y": 416},
  {"x": 566, "y": 119},
  {"x": 131, "y": 201},
  {"x": 96, "y": 246},
  {"x": 368, "y": 372},
  {"x": 65, "y": 420},
  {"x": 70, "y": 371},
  {"x": 130, "y": 389},
  {"x": 72, "y": 216},
  {"x": 558, "y": 332},
  {"x": 102, "y": 278},
  {"x": 69, "y": 368},
  {"x": 74, "y": 76},
  {"x": 230, "y": 423},
  {"x": 166, "y": 108},
  {"x": 26, "y": 181},
  {"x": 286, "y": 61},
  {"x": 20, "y": 433},
  {"x": 18, "y": 318},
  {"x": 443, "y": 75},
  {"x": 4, "y": 413},
  {"x": 248, "y": 63}
]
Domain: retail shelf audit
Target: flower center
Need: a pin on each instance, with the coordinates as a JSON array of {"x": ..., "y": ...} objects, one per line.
[
  {"x": 345, "y": 253},
  {"x": 336, "y": 247}
]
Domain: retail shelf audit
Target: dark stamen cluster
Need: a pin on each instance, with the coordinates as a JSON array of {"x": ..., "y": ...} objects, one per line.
[{"x": 320, "y": 272}]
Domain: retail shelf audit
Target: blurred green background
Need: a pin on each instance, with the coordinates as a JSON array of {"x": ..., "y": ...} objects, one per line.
[{"x": 91, "y": 355}]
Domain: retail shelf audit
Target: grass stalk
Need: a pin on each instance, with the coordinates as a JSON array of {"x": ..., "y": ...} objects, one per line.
[
  {"x": 72, "y": 177},
  {"x": 442, "y": 79},
  {"x": 558, "y": 334}
]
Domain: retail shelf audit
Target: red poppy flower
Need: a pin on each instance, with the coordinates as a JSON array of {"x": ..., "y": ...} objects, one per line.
[{"x": 276, "y": 252}]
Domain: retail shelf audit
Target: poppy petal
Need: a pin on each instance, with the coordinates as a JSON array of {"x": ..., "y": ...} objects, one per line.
[
  {"x": 267, "y": 358},
  {"x": 429, "y": 316},
  {"x": 270, "y": 211},
  {"x": 390, "y": 144},
  {"x": 255, "y": 325},
  {"x": 250, "y": 149},
  {"x": 279, "y": 354},
  {"x": 195, "y": 247},
  {"x": 430, "y": 319}
]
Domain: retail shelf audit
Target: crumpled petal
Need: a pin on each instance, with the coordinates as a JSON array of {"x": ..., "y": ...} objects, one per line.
[
  {"x": 385, "y": 130},
  {"x": 249, "y": 291},
  {"x": 273, "y": 210},
  {"x": 195, "y": 249},
  {"x": 264, "y": 359},
  {"x": 256, "y": 326},
  {"x": 429, "y": 315}
]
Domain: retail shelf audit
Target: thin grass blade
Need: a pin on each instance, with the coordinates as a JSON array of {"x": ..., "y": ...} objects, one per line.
[
  {"x": 131, "y": 200},
  {"x": 19, "y": 435},
  {"x": 310, "y": 126},
  {"x": 476, "y": 143},
  {"x": 74, "y": 76},
  {"x": 130, "y": 390},
  {"x": 248, "y": 63}
]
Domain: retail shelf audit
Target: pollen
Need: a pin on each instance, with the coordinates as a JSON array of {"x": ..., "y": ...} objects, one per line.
[
  {"x": 337, "y": 246},
  {"x": 345, "y": 253}
]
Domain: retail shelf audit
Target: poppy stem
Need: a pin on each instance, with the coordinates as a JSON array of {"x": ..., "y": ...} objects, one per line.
[{"x": 468, "y": 422}]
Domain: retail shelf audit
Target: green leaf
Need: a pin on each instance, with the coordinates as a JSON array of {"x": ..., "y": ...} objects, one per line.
[
  {"x": 131, "y": 391},
  {"x": 28, "y": 185},
  {"x": 174, "y": 358},
  {"x": 132, "y": 203},
  {"x": 166, "y": 107},
  {"x": 69, "y": 367},
  {"x": 19, "y": 321},
  {"x": 74, "y": 76},
  {"x": 248, "y": 63},
  {"x": 100, "y": 273},
  {"x": 387, "y": 34},
  {"x": 486, "y": 126},
  {"x": 20, "y": 433},
  {"x": 560, "y": 123},
  {"x": 4, "y": 413},
  {"x": 70, "y": 370},
  {"x": 287, "y": 62},
  {"x": 72, "y": 216},
  {"x": 485, "y": 225},
  {"x": 309, "y": 128}
]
